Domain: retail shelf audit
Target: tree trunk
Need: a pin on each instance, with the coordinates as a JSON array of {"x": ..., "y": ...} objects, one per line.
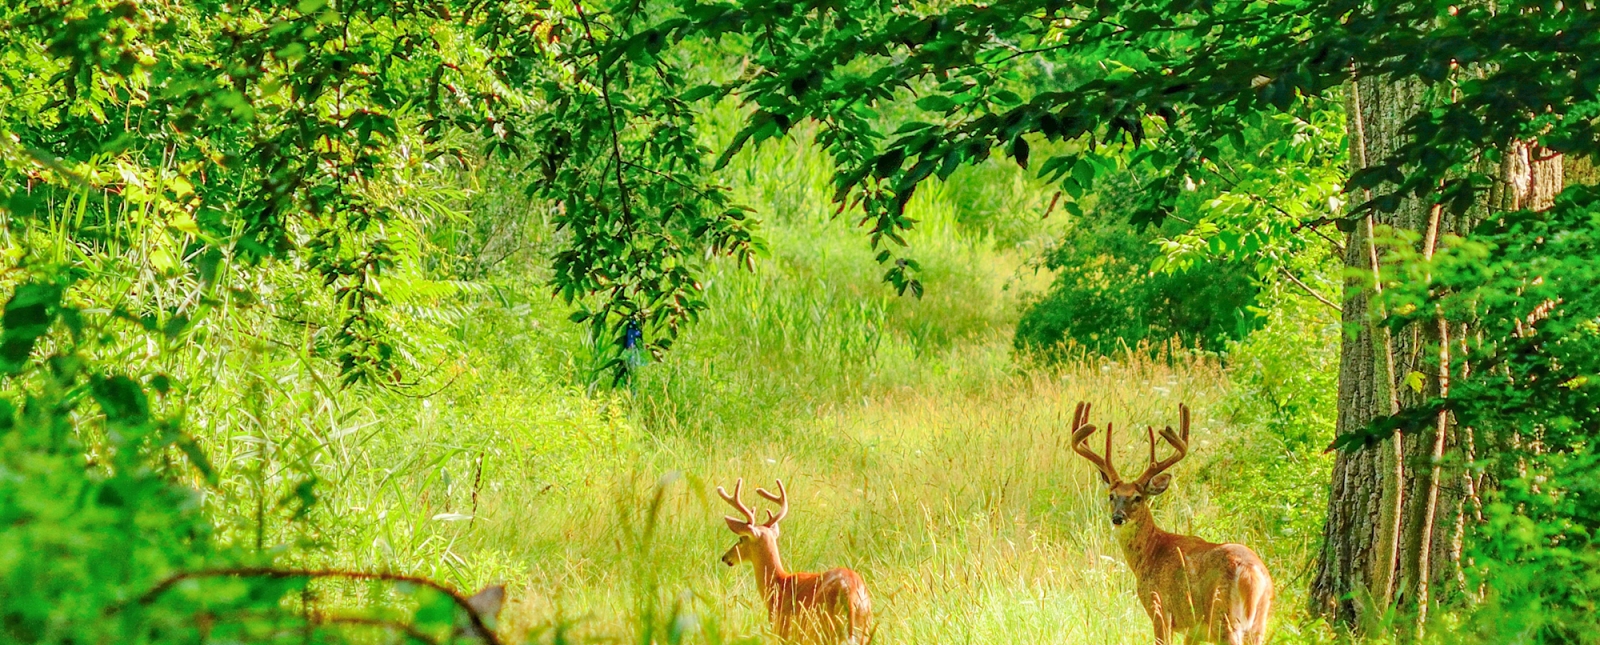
[{"x": 1395, "y": 509}]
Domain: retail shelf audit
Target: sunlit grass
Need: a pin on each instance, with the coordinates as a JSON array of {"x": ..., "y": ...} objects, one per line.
[
  {"x": 965, "y": 511},
  {"x": 916, "y": 448}
]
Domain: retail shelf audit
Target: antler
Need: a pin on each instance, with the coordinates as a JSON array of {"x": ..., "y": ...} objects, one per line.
[
  {"x": 1179, "y": 441},
  {"x": 749, "y": 516},
  {"x": 781, "y": 499},
  {"x": 1080, "y": 435}
]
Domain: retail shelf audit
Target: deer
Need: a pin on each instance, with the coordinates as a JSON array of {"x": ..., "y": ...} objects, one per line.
[
  {"x": 825, "y": 608},
  {"x": 1216, "y": 593}
]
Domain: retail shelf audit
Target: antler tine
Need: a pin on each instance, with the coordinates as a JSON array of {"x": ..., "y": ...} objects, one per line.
[
  {"x": 738, "y": 486},
  {"x": 1180, "y": 446},
  {"x": 1150, "y": 433},
  {"x": 1080, "y": 435},
  {"x": 1111, "y": 463},
  {"x": 1183, "y": 421},
  {"x": 781, "y": 499}
]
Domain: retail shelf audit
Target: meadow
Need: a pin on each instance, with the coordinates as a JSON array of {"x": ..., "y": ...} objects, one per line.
[
  {"x": 321, "y": 315},
  {"x": 918, "y": 446}
]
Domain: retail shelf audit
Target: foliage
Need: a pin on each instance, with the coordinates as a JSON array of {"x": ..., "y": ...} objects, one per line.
[
  {"x": 1524, "y": 391},
  {"x": 1266, "y": 201},
  {"x": 1107, "y": 298},
  {"x": 1285, "y": 391},
  {"x": 1251, "y": 220},
  {"x": 1171, "y": 87},
  {"x": 81, "y": 538},
  {"x": 250, "y": 131},
  {"x": 177, "y": 177},
  {"x": 107, "y": 538},
  {"x": 642, "y": 218},
  {"x": 1171, "y": 82},
  {"x": 174, "y": 178}
]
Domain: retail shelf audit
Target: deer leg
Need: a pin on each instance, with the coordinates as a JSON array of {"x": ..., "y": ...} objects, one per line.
[
  {"x": 1159, "y": 619},
  {"x": 1163, "y": 626},
  {"x": 1235, "y": 620}
]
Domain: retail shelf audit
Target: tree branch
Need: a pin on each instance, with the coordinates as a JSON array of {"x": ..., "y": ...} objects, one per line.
[
  {"x": 1309, "y": 291},
  {"x": 611, "y": 114},
  {"x": 265, "y": 572}
]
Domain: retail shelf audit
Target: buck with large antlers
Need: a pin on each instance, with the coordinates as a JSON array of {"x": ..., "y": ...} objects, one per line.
[
  {"x": 1210, "y": 592},
  {"x": 821, "y": 608}
]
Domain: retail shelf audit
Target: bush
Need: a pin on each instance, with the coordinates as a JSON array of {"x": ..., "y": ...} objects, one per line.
[
  {"x": 1525, "y": 398},
  {"x": 1105, "y": 296},
  {"x": 1284, "y": 398}
]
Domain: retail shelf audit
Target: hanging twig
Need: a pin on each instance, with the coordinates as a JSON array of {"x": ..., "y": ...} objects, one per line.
[
  {"x": 611, "y": 115},
  {"x": 1309, "y": 291}
]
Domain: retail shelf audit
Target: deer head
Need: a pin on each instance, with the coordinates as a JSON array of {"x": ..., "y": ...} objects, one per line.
[
  {"x": 754, "y": 538},
  {"x": 1128, "y": 497}
]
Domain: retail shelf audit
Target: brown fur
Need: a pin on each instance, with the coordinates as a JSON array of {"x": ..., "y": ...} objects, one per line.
[
  {"x": 1218, "y": 593},
  {"x": 1215, "y": 593},
  {"x": 814, "y": 608}
]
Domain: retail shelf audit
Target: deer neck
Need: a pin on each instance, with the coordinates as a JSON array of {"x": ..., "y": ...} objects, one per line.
[
  {"x": 770, "y": 574},
  {"x": 1138, "y": 537}
]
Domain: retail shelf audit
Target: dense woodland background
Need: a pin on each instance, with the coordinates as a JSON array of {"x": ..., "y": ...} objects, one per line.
[{"x": 319, "y": 314}]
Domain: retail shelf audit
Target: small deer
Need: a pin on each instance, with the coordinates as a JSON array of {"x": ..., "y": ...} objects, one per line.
[
  {"x": 1210, "y": 592},
  {"x": 818, "y": 608}
]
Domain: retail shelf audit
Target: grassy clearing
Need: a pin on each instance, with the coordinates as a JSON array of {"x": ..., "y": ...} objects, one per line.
[
  {"x": 964, "y": 509},
  {"x": 915, "y": 448}
]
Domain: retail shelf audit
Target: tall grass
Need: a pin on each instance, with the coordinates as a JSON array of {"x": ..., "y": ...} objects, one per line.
[{"x": 916, "y": 449}]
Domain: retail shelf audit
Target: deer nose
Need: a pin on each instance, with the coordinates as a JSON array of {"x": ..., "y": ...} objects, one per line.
[{"x": 1118, "y": 520}]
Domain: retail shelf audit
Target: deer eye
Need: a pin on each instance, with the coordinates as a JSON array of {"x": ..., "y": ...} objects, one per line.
[{"x": 1138, "y": 498}]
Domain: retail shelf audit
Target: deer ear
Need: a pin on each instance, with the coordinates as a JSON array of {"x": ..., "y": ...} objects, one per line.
[
  {"x": 740, "y": 527},
  {"x": 487, "y": 602},
  {"x": 1158, "y": 484}
]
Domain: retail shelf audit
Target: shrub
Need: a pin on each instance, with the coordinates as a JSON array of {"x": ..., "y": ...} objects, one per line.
[{"x": 1106, "y": 297}]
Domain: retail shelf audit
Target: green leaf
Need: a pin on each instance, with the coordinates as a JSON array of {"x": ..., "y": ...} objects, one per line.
[
  {"x": 936, "y": 103},
  {"x": 757, "y": 123},
  {"x": 1019, "y": 151},
  {"x": 1414, "y": 380},
  {"x": 122, "y": 399},
  {"x": 28, "y": 316},
  {"x": 1072, "y": 188},
  {"x": 436, "y": 609},
  {"x": 889, "y": 162},
  {"x": 699, "y": 92},
  {"x": 1083, "y": 172},
  {"x": 197, "y": 458}
]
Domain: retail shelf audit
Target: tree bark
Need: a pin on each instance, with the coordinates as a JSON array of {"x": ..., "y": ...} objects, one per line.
[{"x": 1395, "y": 509}]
